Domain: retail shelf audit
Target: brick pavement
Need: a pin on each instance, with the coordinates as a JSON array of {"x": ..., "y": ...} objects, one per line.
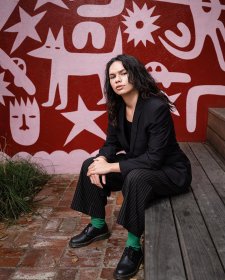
[{"x": 36, "y": 247}]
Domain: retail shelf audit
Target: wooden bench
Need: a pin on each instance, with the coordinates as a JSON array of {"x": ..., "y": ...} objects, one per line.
[{"x": 185, "y": 234}]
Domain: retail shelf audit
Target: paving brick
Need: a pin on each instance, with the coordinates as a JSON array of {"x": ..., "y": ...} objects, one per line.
[
  {"x": 51, "y": 241},
  {"x": 111, "y": 199},
  {"x": 119, "y": 198},
  {"x": 8, "y": 240},
  {"x": 109, "y": 210},
  {"x": 82, "y": 257},
  {"x": 112, "y": 256},
  {"x": 32, "y": 257},
  {"x": 67, "y": 197},
  {"x": 66, "y": 274},
  {"x": 44, "y": 212},
  {"x": 11, "y": 252},
  {"x": 34, "y": 226},
  {"x": 68, "y": 225},
  {"x": 5, "y": 273},
  {"x": 88, "y": 274},
  {"x": 53, "y": 224},
  {"x": 107, "y": 273},
  {"x": 42, "y": 257},
  {"x": 64, "y": 212},
  {"x": 23, "y": 239},
  {"x": 34, "y": 274},
  {"x": 9, "y": 262}
]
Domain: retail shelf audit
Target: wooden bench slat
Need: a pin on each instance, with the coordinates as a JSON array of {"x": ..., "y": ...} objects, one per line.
[
  {"x": 215, "y": 173},
  {"x": 212, "y": 207},
  {"x": 199, "y": 254},
  {"x": 215, "y": 155},
  {"x": 162, "y": 253}
]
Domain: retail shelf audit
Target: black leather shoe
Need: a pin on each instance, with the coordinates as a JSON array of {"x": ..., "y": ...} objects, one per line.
[
  {"x": 129, "y": 263},
  {"x": 88, "y": 235}
]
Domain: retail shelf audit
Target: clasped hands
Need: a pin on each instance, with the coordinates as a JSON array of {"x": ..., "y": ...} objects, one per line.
[{"x": 99, "y": 167}]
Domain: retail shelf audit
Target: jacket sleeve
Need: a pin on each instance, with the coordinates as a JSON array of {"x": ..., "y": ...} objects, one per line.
[
  {"x": 111, "y": 145},
  {"x": 159, "y": 131}
]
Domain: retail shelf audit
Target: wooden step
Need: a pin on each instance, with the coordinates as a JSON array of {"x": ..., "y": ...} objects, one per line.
[
  {"x": 184, "y": 235},
  {"x": 216, "y": 129},
  {"x": 216, "y": 121}
]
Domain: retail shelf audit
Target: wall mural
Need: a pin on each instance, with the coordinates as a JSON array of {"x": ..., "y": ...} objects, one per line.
[{"x": 52, "y": 59}]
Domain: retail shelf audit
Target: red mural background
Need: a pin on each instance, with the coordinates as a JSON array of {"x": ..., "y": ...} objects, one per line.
[{"x": 144, "y": 26}]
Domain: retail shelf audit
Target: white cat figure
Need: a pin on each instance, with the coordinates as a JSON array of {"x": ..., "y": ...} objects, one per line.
[{"x": 65, "y": 63}]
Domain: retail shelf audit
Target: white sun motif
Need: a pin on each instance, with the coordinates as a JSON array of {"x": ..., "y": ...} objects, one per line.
[
  {"x": 140, "y": 24},
  {"x": 3, "y": 89}
]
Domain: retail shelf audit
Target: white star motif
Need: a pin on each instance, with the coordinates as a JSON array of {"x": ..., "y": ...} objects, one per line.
[
  {"x": 55, "y": 2},
  {"x": 25, "y": 28},
  {"x": 83, "y": 119},
  {"x": 173, "y": 98},
  {"x": 3, "y": 90}
]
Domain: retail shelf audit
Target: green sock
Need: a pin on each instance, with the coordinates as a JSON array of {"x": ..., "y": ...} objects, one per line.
[
  {"x": 133, "y": 241},
  {"x": 97, "y": 222}
]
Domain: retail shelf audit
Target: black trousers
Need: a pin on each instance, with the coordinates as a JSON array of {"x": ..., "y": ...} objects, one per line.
[{"x": 139, "y": 188}]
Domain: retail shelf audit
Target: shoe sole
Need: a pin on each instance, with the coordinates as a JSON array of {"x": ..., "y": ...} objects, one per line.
[
  {"x": 128, "y": 276},
  {"x": 97, "y": 238}
]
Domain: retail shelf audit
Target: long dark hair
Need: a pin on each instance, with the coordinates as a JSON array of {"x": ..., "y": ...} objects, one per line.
[{"x": 138, "y": 76}]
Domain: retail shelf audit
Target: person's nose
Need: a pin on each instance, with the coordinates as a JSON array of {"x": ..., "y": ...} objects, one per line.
[{"x": 118, "y": 79}]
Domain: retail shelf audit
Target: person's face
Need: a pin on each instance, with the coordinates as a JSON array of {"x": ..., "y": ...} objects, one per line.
[{"x": 118, "y": 76}]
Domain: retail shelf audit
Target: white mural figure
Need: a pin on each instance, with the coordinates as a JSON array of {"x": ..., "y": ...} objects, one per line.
[
  {"x": 83, "y": 119},
  {"x": 6, "y": 9},
  {"x": 161, "y": 74},
  {"x": 184, "y": 39},
  {"x": 17, "y": 67},
  {"x": 206, "y": 23},
  {"x": 3, "y": 89},
  {"x": 59, "y": 3},
  {"x": 114, "y": 8},
  {"x": 81, "y": 32},
  {"x": 65, "y": 63},
  {"x": 25, "y": 122},
  {"x": 192, "y": 102},
  {"x": 140, "y": 24},
  {"x": 25, "y": 28}
]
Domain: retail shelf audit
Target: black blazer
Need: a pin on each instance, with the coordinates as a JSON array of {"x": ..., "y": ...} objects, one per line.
[{"x": 153, "y": 143}]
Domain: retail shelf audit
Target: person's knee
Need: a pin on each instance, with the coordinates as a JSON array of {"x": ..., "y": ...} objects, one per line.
[
  {"x": 86, "y": 164},
  {"x": 132, "y": 180}
]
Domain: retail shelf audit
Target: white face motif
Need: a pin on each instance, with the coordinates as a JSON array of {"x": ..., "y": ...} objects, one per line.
[
  {"x": 25, "y": 122},
  {"x": 118, "y": 76}
]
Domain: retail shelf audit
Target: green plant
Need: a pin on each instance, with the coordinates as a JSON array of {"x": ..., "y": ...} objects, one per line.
[{"x": 20, "y": 180}]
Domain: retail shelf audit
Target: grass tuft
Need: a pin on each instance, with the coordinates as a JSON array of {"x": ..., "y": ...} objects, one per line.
[{"x": 20, "y": 181}]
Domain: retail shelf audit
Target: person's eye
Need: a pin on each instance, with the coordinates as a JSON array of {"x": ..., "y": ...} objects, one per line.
[
  {"x": 111, "y": 77},
  {"x": 124, "y": 73}
]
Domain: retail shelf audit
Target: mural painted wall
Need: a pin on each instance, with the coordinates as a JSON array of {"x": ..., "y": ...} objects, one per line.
[{"x": 52, "y": 59}]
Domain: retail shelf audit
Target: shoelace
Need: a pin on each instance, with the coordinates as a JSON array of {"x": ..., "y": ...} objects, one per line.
[
  {"x": 128, "y": 251},
  {"x": 87, "y": 227}
]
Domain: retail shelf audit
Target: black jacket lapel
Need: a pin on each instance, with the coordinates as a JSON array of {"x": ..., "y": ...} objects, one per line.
[{"x": 137, "y": 114}]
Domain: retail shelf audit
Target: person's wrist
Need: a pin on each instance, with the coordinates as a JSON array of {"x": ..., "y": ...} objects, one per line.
[
  {"x": 114, "y": 167},
  {"x": 103, "y": 157}
]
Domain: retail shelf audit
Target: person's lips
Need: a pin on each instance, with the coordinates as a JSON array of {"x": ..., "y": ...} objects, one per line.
[{"x": 119, "y": 87}]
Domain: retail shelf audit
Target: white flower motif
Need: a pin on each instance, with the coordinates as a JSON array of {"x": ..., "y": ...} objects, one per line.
[{"x": 140, "y": 24}]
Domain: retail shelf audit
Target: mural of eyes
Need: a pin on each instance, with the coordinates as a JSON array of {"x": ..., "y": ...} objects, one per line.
[{"x": 25, "y": 122}]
